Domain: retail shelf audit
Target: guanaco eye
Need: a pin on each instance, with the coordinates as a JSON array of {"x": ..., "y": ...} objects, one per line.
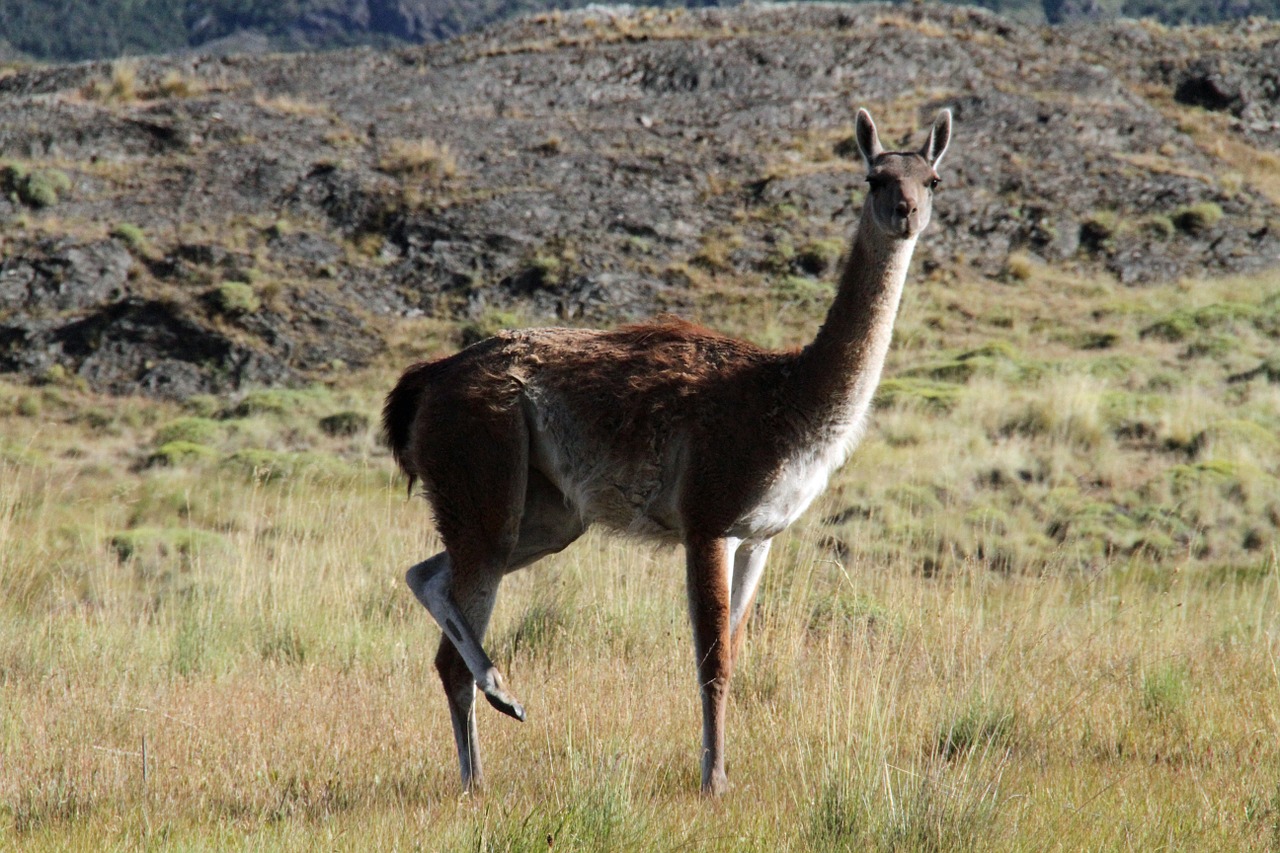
[
  {"x": 933, "y": 183},
  {"x": 876, "y": 181}
]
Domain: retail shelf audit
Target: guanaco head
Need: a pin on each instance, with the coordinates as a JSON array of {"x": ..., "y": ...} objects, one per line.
[{"x": 902, "y": 182}]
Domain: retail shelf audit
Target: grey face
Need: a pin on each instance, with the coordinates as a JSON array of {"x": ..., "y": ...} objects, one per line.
[{"x": 902, "y": 182}]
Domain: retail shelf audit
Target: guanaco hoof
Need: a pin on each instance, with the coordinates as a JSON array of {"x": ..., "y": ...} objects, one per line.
[{"x": 506, "y": 703}]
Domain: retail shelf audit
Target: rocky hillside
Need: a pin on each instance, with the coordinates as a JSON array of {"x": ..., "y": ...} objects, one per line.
[{"x": 175, "y": 226}]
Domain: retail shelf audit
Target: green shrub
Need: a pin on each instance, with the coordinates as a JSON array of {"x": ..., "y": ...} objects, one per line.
[
  {"x": 487, "y": 325},
  {"x": 978, "y": 727},
  {"x": 1175, "y": 327},
  {"x": 1197, "y": 218},
  {"x": 191, "y": 430},
  {"x": 939, "y": 396},
  {"x": 278, "y": 402},
  {"x": 144, "y": 542},
  {"x": 344, "y": 424},
  {"x": 271, "y": 465},
  {"x": 818, "y": 256},
  {"x": 804, "y": 290},
  {"x": 234, "y": 298},
  {"x": 174, "y": 453},
  {"x": 994, "y": 359},
  {"x": 1180, "y": 325},
  {"x": 1165, "y": 691},
  {"x": 263, "y": 465},
  {"x": 132, "y": 236},
  {"x": 1160, "y": 227},
  {"x": 1098, "y": 230},
  {"x": 844, "y": 613},
  {"x": 29, "y": 406},
  {"x": 34, "y": 188},
  {"x": 548, "y": 268}
]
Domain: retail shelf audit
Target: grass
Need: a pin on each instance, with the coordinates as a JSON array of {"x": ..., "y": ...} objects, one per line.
[
  {"x": 422, "y": 158},
  {"x": 1038, "y": 609}
]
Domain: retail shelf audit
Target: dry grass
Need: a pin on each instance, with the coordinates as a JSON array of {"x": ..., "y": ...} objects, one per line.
[
  {"x": 1038, "y": 610},
  {"x": 422, "y": 158}
]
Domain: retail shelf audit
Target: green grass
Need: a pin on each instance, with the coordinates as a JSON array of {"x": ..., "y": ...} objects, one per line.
[{"x": 1039, "y": 609}]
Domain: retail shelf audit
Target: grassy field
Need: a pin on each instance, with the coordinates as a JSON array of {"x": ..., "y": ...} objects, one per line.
[{"x": 1038, "y": 610}]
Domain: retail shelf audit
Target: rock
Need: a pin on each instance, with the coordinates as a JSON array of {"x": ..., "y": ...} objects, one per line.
[{"x": 61, "y": 275}]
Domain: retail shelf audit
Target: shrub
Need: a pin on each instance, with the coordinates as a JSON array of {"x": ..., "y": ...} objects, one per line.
[
  {"x": 1098, "y": 231},
  {"x": 264, "y": 465},
  {"x": 424, "y": 159},
  {"x": 202, "y": 405},
  {"x": 124, "y": 82},
  {"x": 122, "y": 87},
  {"x": 1160, "y": 227},
  {"x": 174, "y": 84},
  {"x": 939, "y": 396},
  {"x": 977, "y": 727},
  {"x": 1165, "y": 691},
  {"x": 29, "y": 406},
  {"x": 132, "y": 236},
  {"x": 163, "y": 542},
  {"x": 804, "y": 291},
  {"x": 193, "y": 430},
  {"x": 38, "y": 188},
  {"x": 1019, "y": 266},
  {"x": 174, "y": 453},
  {"x": 549, "y": 269},
  {"x": 234, "y": 298},
  {"x": 280, "y": 401},
  {"x": 818, "y": 256},
  {"x": 486, "y": 325},
  {"x": 845, "y": 613},
  {"x": 344, "y": 424},
  {"x": 1197, "y": 218},
  {"x": 1175, "y": 327}
]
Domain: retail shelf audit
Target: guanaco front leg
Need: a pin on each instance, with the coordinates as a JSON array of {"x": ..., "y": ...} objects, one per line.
[
  {"x": 708, "y": 578},
  {"x": 748, "y": 568}
]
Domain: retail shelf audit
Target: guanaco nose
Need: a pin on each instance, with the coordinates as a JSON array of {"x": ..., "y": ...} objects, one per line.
[{"x": 903, "y": 208}]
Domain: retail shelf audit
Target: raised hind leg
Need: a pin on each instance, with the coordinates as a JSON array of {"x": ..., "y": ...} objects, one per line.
[
  {"x": 448, "y": 595},
  {"x": 462, "y": 602},
  {"x": 475, "y": 602}
]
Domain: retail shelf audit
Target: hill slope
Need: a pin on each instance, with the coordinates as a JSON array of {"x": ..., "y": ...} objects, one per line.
[{"x": 195, "y": 224}]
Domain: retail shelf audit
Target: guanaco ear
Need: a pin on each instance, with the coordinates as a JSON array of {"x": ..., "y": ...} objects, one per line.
[
  {"x": 868, "y": 140},
  {"x": 939, "y": 138}
]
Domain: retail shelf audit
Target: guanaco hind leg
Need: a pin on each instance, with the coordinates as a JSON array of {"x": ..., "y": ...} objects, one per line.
[
  {"x": 461, "y": 602},
  {"x": 475, "y": 601},
  {"x": 434, "y": 583}
]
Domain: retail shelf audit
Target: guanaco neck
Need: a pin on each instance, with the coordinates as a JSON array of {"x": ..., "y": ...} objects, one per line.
[{"x": 838, "y": 373}]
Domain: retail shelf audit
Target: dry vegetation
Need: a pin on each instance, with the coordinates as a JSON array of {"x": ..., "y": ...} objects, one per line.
[{"x": 1037, "y": 611}]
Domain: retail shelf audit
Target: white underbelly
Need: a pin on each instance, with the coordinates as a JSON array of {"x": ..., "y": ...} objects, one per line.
[{"x": 786, "y": 499}]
